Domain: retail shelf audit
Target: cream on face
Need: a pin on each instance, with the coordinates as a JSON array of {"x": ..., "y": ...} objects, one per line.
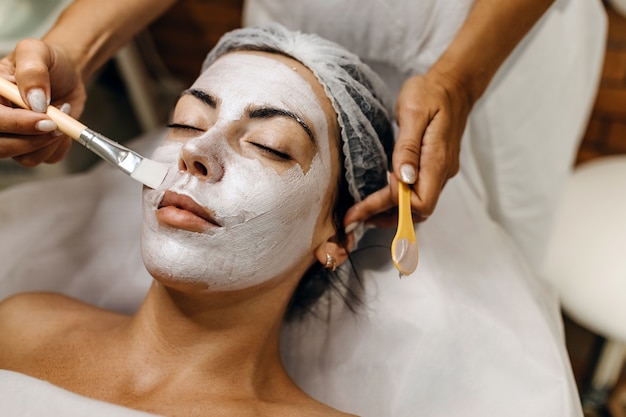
[{"x": 266, "y": 216}]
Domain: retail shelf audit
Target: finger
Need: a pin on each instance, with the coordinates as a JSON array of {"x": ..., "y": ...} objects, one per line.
[
  {"x": 7, "y": 68},
  {"x": 407, "y": 150},
  {"x": 65, "y": 108},
  {"x": 36, "y": 157},
  {"x": 433, "y": 174},
  {"x": 419, "y": 218},
  {"x": 32, "y": 62},
  {"x": 24, "y": 122},
  {"x": 387, "y": 219},
  {"x": 394, "y": 186},
  {"x": 6, "y": 103},
  {"x": 14, "y": 146},
  {"x": 63, "y": 147},
  {"x": 377, "y": 202}
]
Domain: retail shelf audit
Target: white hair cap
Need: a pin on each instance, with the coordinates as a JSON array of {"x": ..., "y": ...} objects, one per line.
[{"x": 359, "y": 97}]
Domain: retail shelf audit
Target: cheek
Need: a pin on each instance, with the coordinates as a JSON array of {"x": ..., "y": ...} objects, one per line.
[
  {"x": 167, "y": 152},
  {"x": 304, "y": 196},
  {"x": 260, "y": 192}
]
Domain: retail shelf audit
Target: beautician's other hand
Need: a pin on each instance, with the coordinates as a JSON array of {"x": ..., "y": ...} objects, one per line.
[
  {"x": 431, "y": 112},
  {"x": 43, "y": 73}
]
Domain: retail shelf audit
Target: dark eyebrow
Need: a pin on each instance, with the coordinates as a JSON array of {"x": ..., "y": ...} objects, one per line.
[
  {"x": 269, "y": 112},
  {"x": 207, "y": 98},
  {"x": 260, "y": 113}
]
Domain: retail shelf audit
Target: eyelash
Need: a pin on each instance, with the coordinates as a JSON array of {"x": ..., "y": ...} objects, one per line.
[
  {"x": 279, "y": 154},
  {"x": 264, "y": 148},
  {"x": 183, "y": 127}
]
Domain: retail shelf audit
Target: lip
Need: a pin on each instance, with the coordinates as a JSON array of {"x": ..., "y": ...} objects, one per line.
[{"x": 182, "y": 212}]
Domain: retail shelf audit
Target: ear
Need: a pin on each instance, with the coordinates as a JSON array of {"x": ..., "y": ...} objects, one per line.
[{"x": 336, "y": 250}]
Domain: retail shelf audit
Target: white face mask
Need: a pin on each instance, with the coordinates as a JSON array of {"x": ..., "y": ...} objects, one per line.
[{"x": 266, "y": 219}]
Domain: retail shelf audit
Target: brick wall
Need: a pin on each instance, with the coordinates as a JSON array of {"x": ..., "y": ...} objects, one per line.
[
  {"x": 606, "y": 132},
  {"x": 186, "y": 33}
]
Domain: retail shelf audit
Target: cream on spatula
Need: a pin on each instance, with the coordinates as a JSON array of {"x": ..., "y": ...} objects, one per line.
[{"x": 146, "y": 171}]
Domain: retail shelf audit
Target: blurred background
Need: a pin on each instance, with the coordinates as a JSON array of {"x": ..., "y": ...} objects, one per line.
[{"x": 135, "y": 91}]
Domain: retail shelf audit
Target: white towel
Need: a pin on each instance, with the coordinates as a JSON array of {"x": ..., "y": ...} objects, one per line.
[{"x": 23, "y": 396}]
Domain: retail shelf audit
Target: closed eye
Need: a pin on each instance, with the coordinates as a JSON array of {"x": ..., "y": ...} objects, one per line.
[
  {"x": 279, "y": 154},
  {"x": 184, "y": 127}
]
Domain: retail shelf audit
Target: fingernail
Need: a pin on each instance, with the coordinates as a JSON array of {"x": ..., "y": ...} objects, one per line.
[
  {"x": 350, "y": 228},
  {"x": 407, "y": 174},
  {"x": 45, "y": 126},
  {"x": 66, "y": 108},
  {"x": 57, "y": 133},
  {"x": 37, "y": 100}
]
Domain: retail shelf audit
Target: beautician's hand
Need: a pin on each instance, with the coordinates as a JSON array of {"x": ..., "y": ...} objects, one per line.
[
  {"x": 42, "y": 72},
  {"x": 431, "y": 111}
]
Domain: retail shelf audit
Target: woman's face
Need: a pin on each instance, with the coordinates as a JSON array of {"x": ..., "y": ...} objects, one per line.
[{"x": 254, "y": 142}]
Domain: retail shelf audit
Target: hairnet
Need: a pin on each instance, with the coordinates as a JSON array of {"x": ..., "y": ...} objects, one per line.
[{"x": 359, "y": 97}]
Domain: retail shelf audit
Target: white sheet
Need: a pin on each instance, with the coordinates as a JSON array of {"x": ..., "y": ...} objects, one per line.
[
  {"x": 23, "y": 396},
  {"x": 471, "y": 330},
  {"x": 471, "y": 333}
]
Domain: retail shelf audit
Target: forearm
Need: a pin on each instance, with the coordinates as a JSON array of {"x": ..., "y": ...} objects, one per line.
[
  {"x": 91, "y": 31},
  {"x": 489, "y": 34}
]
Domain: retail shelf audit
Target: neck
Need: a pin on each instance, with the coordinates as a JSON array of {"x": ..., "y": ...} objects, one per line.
[{"x": 220, "y": 338}]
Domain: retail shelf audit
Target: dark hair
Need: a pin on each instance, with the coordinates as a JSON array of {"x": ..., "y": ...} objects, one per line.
[{"x": 318, "y": 280}]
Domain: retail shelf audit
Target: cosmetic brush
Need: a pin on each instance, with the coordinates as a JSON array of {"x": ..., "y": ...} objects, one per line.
[
  {"x": 404, "y": 245},
  {"x": 146, "y": 171}
]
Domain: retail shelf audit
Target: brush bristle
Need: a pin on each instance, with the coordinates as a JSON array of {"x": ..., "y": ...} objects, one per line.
[{"x": 150, "y": 173}]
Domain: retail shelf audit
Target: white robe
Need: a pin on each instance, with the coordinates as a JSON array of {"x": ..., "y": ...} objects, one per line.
[
  {"x": 473, "y": 332},
  {"x": 522, "y": 135}
]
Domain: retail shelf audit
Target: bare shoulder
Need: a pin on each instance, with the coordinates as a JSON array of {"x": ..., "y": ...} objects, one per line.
[
  {"x": 337, "y": 413},
  {"x": 319, "y": 409},
  {"x": 331, "y": 412},
  {"x": 42, "y": 310},
  {"x": 30, "y": 320},
  {"x": 35, "y": 300}
]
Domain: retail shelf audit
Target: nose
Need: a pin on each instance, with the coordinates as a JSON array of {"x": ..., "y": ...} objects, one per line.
[{"x": 200, "y": 163}]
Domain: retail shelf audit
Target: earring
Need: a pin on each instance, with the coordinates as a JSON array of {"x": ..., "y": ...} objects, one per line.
[{"x": 330, "y": 263}]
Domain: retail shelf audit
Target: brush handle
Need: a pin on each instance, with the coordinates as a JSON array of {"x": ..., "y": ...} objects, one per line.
[
  {"x": 406, "y": 228},
  {"x": 66, "y": 123}
]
